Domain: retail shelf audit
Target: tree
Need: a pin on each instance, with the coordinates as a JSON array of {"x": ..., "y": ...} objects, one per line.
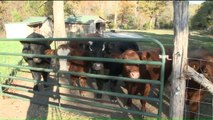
[
  {"x": 71, "y": 7},
  {"x": 179, "y": 59},
  {"x": 37, "y": 8},
  {"x": 204, "y": 17},
  {"x": 115, "y": 15},
  {"x": 59, "y": 24},
  {"x": 2, "y": 15},
  {"x": 165, "y": 18},
  {"x": 152, "y": 10},
  {"x": 126, "y": 10}
]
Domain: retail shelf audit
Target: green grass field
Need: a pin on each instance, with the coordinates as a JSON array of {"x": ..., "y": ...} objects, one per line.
[
  {"x": 166, "y": 38},
  {"x": 9, "y": 47}
]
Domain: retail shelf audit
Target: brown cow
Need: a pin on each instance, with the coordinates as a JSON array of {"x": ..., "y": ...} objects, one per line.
[
  {"x": 202, "y": 62},
  {"x": 144, "y": 71},
  {"x": 79, "y": 48},
  {"x": 78, "y": 66},
  {"x": 132, "y": 71}
]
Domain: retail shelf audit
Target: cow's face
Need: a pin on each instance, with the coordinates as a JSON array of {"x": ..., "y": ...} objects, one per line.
[
  {"x": 204, "y": 67},
  {"x": 97, "y": 49},
  {"x": 37, "y": 49},
  {"x": 208, "y": 71},
  {"x": 131, "y": 70}
]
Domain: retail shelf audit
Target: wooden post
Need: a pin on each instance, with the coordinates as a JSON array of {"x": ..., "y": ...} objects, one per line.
[
  {"x": 59, "y": 23},
  {"x": 179, "y": 59}
]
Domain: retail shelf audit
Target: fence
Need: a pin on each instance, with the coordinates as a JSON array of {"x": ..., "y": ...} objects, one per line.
[
  {"x": 59, "y": 95},
  {"x": 199, "y": 99}
]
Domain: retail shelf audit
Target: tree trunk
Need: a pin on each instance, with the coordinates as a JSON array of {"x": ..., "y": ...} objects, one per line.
[
  {"x": 115, "y": 15},
  {"x": 179, "y": 59},
  {"x": 150, "y": 22},
  {"x": 59, "y": 24},
  {"x": 157, "y": 26},
  {"x": 59, "y": 32}
]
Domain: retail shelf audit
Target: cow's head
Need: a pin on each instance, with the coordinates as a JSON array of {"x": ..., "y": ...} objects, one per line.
[
  {"x": 131, "y": 70},
  {"x": 204, "y": 67},
  {"x": 97, "y": 49}
]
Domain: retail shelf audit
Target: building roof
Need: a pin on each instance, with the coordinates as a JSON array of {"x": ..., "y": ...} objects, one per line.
[
  {"x": 31, "y": 21},
  {"x": 83, "y": 19}
]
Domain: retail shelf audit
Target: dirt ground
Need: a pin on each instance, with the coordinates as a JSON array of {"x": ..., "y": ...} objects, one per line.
[
  {"x": 12, "y": 108},
  {"x": 21, "y": 109}
]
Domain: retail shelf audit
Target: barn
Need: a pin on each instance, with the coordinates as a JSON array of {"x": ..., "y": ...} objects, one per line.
[
  {"x": 22, "y": 29},
  {"x": 83, "y": 24}
]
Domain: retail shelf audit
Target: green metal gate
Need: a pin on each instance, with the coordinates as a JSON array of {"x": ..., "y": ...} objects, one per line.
[{"x": 56, "y": 98}]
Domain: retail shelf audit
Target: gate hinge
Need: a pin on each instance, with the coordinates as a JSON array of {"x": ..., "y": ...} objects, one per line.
[{"x": 165, "y": 56}]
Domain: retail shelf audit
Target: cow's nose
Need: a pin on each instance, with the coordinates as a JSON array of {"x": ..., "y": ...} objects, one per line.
[
  {"x": 134, "y": 75},
  {"x": 97, "y": 66}
]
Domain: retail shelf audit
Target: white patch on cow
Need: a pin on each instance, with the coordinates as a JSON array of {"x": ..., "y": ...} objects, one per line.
[
  {"x": 90, "y": 44},
  {"x": 134, "y": 75},
  {"x": 63, "y": 62},
  {"x": 103, "y": 47}
]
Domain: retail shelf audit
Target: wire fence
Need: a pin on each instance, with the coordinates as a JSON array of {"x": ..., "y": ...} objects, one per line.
[{"x": 198, "y": 99}]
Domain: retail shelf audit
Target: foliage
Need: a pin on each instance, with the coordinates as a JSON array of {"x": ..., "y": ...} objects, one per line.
[
  {"x": 165, "y": 19},
  {"x": 2, "y": 11},
  {"x": 124, "y": 14},
  {"x": 204, "y": 17},
  {"x": 16, "y": 17},
  {"x": 38, "y": 8},
  {"x": 152, "y": 10},
  {"x": 71, "y": 7},
  {"x": 11, "y": 47},
  {"x": 126, "y": 11}
]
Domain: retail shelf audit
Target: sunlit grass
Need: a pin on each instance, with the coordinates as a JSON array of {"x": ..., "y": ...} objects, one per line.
[
  {"x": 166, "y": 37},
  {"x": 9, "y": 47}
]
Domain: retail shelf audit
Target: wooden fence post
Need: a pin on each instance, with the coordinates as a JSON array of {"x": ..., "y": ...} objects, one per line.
[{"x": 179, "y": 59}]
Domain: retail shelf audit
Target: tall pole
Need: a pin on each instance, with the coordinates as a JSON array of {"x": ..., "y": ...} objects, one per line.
[
  {"x": 181, "y": 31},
  {"x": 59, "y": 23}
]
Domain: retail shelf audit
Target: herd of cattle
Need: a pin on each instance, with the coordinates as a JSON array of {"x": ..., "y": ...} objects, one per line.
[{"x": 203, "y": 63}]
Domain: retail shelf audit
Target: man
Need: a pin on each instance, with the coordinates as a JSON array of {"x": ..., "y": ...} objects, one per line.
[{"x": 37, "y": 47}]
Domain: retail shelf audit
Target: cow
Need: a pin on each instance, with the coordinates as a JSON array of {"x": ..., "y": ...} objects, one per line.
[
  {"x": 37, "y": 47},
  {"x": 142, "y": 71},
  {"x": 79, "y": 48},
  {"x": 79, "y": 66},
  {"x": 108, "y": 50},
  {"x": 202, "y": 61}
]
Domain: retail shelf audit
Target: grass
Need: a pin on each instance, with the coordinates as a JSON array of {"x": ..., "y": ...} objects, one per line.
[
  {"x": 166, "y": 38},
  {"x": 9, "y": 47}
]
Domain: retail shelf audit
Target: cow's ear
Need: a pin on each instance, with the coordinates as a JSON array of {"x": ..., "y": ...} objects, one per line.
[
  {"x": 122, "y": 56},
  {"x": 195, "y": 65},
  {"x": 144, "y": 55}
]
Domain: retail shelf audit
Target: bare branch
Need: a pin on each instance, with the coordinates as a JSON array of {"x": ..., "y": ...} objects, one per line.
[{"x": 199, "y": 78}]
